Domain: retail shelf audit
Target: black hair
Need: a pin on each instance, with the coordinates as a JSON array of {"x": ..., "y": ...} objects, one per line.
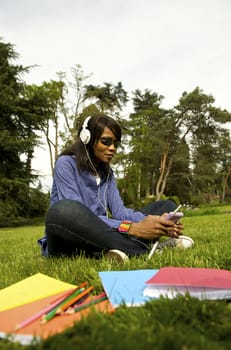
[{"x": 82, "y": 152}]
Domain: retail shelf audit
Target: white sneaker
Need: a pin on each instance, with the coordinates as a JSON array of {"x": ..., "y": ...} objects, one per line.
[
  {"x": 183, "y": 242},
  {"x": 116, "y": 255}
]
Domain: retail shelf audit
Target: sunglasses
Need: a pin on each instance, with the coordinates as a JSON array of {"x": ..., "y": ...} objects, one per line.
[{"x": 108, "y": 141}]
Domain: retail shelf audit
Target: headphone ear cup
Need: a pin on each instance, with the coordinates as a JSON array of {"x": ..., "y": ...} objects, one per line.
[{"x": 85, "y": 134}]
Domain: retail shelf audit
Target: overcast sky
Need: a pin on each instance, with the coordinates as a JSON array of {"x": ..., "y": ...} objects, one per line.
[{"x": 167, "y": 46}]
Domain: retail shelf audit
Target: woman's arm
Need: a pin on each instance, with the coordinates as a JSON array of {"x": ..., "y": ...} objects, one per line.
[{"x": 65, "y": 184}]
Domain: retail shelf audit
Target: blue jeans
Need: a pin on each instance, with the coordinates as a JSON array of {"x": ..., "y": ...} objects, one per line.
[{"x": 72, "y": 228}]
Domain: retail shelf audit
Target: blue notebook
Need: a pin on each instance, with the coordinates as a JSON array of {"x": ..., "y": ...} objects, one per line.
[{"x": 126, "y": 287}]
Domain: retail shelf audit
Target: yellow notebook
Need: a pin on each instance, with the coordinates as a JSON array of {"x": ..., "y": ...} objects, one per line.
[{"x": 30, "y": 289}]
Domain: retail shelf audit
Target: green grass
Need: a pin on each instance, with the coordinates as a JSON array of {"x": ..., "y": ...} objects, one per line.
[{"x": 183, "y": 323}]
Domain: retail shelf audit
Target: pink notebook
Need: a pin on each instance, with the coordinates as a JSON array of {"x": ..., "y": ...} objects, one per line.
[{"x": 204, "y": 283}]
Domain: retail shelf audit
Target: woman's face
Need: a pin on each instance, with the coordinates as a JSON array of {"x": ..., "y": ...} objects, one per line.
[{"x": 105, "y": 148}]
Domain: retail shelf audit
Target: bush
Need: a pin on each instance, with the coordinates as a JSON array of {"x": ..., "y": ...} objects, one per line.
[
  {"x": 15, "y": 211},
  {"x": 38, "y": 203}
]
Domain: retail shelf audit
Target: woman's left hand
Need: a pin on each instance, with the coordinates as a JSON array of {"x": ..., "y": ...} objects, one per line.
[{"x": 176, "y": 230}]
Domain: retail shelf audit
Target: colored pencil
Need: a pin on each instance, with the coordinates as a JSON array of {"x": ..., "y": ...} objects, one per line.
[
  {"x": 83, "y": 301},
  {"x": 80, "y": 301},
  {"x": 93, "y": 298},
  {"x": 76, "y": 298},
  {"x": 45, "y": 310},
  {"x": 85, "y": 305},
  {"x": 64, "y": 295},
  {"x": 52, "y": 313}
]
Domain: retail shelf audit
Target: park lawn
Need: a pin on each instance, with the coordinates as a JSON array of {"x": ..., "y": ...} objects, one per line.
[{"x": 183, "y": 323}]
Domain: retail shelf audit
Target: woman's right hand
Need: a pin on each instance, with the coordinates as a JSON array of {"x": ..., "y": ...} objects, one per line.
[{"x": 153, "y": 226}]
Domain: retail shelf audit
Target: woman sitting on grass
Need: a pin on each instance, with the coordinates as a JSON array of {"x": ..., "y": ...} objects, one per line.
[{"x": 86, "y": 211}]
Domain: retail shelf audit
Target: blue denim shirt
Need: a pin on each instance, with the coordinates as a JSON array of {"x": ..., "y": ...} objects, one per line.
[{"x": 69, "y": 183}]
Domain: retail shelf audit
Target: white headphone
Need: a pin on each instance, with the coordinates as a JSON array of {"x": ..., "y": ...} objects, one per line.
[{"x": 85, "y": 134}]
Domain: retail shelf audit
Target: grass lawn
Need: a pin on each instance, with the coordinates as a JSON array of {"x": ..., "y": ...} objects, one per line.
[{"x": 183, "y": 323}]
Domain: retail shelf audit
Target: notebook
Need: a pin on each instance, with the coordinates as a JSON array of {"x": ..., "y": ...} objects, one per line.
[
  {"x": 30, "y": 289},
  {"x": 202, "y": 283},
  {"x": 35, "y": 330},
  {"x": 126, "y": 287}
]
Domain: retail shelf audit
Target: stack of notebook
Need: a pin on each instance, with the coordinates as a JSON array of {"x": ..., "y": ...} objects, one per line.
[
  {"x": 136, "y": 287},
  {"x": 201, "y": 283},
  {"x": 40, "y": 306}
]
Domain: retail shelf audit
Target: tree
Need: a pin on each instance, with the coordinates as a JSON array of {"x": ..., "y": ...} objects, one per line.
[
  {"x": 51, "y": 96},
  {"x": 165, "y": 144},
  {"x": 154, "y": 143},
  {"x": 145, "y": 141},
  {"x": 17, "y": 137},
  {"x": 62, "y": 105},
  {"x": 209, "y": 142},
  {"x": 224, "y": 164},
  {"x": 108, "y": 98},
  {"x": 11, "y": 143}
]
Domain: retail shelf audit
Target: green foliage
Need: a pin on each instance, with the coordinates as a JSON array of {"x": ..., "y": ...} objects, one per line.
[
  {"x": 21, "y": 113},
  {"x": 209, "y": 142},
  {"x": 38, "y": 203},
  {"x": 19, "y": 201},
  {"x": 183, "y": 151},
  {"x": 109, "y": 98},
  {"x": 182, "y": 323}
]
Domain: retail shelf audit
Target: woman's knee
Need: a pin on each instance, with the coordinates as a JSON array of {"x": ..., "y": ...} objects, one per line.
[
  {"x": 65, "y": 209},
  {"x": 169, "y": 203}
]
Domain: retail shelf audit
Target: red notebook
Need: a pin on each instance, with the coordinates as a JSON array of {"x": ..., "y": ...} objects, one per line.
[{"x": 204, "y": 283}]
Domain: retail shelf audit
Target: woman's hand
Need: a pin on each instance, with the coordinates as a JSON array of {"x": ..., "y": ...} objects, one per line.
[{"x": 153, "y": 226}]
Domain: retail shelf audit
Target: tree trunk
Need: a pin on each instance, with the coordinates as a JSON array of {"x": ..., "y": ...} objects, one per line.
[{"x": 225, "y": 183}]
